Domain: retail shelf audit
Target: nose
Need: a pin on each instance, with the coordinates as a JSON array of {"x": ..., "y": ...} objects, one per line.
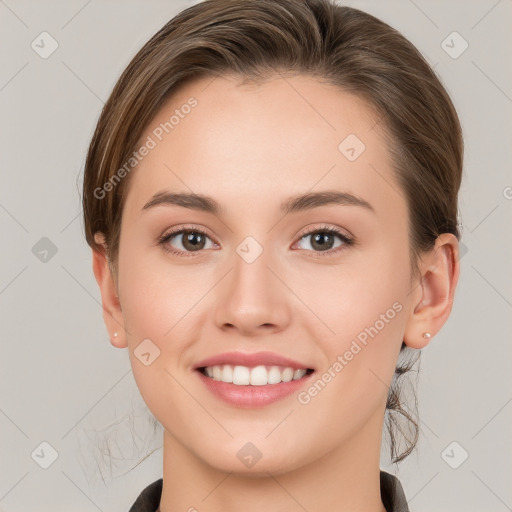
[{"x": 252, "y": 299}]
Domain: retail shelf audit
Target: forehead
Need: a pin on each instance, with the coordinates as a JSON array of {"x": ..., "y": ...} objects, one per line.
[{"x": 263, "y": 141}]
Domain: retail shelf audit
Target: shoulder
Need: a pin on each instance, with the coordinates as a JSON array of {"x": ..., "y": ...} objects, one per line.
[{"x": 149, "y": 498}]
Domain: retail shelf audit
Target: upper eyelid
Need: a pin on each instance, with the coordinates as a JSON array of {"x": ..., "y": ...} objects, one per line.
[
  {"x": 339, "y": 231},
  {"x": 181, "y": 229}
]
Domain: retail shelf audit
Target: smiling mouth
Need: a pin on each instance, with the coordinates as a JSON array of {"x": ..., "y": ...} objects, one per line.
[{"x": 253, "y": 376}]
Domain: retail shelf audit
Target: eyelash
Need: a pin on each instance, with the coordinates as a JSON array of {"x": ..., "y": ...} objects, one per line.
[{"x": 166, "y": 237}]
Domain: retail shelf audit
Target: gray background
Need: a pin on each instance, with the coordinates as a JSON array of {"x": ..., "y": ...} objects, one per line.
[{"x": 64, "y": 384}]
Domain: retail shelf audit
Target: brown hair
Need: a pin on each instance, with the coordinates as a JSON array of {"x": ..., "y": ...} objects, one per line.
[{"x": 255, "y": 39}]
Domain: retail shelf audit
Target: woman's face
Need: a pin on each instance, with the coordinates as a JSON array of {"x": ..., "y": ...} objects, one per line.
[{"x": 263, "y": 277}]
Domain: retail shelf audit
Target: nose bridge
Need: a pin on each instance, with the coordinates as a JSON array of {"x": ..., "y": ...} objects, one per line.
[{"x": 252, "y": 296}]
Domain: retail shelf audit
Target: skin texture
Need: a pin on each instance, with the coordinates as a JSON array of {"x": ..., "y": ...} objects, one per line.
[{"x": 250, "y": 148}]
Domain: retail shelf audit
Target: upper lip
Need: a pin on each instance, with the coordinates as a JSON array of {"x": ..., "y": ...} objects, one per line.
[{"x": 251, "y": 360}]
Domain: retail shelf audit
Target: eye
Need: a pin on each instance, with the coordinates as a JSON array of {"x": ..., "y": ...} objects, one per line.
[
  {"x": 323, "y": 240},
  {"x": 186, "y": 241}
]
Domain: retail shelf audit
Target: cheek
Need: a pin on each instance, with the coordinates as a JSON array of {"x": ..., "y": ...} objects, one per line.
[
  {"x": 364, "y": 307},
  {"x": 348, "y": 298},
  {"x": 360, "y": 358},
  {"x": 157, "y": 313},
  {"x": 155, "y": 302},
  {"x": 156, "y": 295}
]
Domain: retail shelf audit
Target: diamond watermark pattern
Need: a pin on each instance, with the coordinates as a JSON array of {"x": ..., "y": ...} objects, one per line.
[
  {"x": 249, "y": 454},
  {"x": 351, "y": 147},
  {"x": 44, "y": 249},
  {"x": 146, "y": 352},
  {"x": 454, "y": 45},
  {"x": 454, "y": 455},
  {"x": 249, "y": 249},
  {"x": 44, "y": 45},
  {"x": 44, "y": 455}
]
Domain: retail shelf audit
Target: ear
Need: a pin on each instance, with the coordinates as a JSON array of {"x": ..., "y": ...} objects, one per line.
[
  {"x": 112, "y": 314},
  {"x": 433, "y": 295}
]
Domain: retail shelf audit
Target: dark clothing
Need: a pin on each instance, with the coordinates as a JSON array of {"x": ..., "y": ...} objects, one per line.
[
  {"x": 391, "y": 491},
  {"x": 149, "y": 498}
]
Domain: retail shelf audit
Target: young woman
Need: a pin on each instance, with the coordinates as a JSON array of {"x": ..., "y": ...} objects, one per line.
[{"x": 271, "y": 199}]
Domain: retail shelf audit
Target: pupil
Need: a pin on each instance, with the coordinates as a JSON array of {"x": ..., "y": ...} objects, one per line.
[
  {"x": 318, "y": 240},
  {"x": 191, "y": 239}
]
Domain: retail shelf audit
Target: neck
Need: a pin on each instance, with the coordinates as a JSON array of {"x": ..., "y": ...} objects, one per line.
[{"x": 347, "y": 478}]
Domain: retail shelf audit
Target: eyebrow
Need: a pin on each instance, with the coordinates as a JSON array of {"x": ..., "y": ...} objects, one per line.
[{"x": 291, "y": 205}]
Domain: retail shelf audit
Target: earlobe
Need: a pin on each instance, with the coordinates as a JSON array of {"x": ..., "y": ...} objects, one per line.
[
  {"x": 435, "y": 293},
  {"x": 112, "y": 314}
]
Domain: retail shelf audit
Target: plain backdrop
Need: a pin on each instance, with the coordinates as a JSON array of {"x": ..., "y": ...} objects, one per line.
[{"x": 68, "y": 399}]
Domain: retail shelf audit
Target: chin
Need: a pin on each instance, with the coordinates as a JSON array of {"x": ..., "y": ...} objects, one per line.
[{"x": 247, "y": 459}]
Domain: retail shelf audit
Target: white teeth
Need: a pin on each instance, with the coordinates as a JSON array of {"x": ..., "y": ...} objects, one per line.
[
  {"x": 287, "y": 374},
  {"x": 257, "y": 376},
  {"x": 298, "y": 374},
  {"x": 227, "y": 373},
  {"x": 217, "y": 372},
  {"x": 274, "y": 375},
  {"x": 241, "y": 375}
]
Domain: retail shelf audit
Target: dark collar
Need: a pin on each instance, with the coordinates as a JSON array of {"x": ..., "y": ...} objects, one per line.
[{"x": 391, "y": 491}]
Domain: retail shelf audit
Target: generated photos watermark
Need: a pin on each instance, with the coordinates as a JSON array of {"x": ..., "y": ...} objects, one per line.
[
  {"x": 151, "y": 142},
  {"x": 342, "y": 360}
]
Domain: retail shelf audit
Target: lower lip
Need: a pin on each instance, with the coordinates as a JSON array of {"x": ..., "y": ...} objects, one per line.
[{"x": 253, "y": 396}]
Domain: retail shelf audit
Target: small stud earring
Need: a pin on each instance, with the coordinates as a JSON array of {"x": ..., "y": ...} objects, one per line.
[
  {"x": 427, "y": 335},
  {"x": 115, "y": 335}
]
